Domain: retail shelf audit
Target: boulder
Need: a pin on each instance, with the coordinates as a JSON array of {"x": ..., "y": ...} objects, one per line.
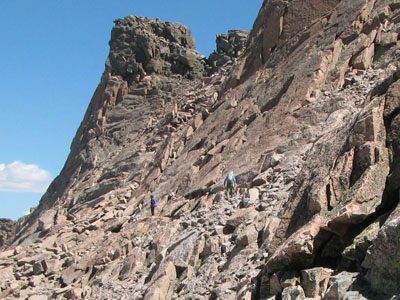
[
  {"x": 74, "y": 293},
  {"x": 364, "y": 59},
  {"x": 289, "y": 278},
  {"x": 161, "y": 286},
  {"x": 39, "y": 267},
  {"x": 315, "y": 281},
  {"x": 36, "y": 280},
  {"x": 53, "y": 266},
  {"x": 382, "y": 258},
  {"x": 247, "y": 236},
  {"x": 212, "y": 246},
  {"x": 70, "y": 274},
  {"x": 132, "y": 263},
  {"x": 293, "y": 292},
  {"x": 275, "y": 286},
  {"x": 253, "y": 195},
  {"x": 339, "y": 284},
  {"x": 182, "y": 269},
  {"x": 353, "y": 295},
  {"x": 240, "y": 217},
  {"x": 358, "y": 249},
  {"x": 187, "y": 248},
  {"x": 198, "y": 120},
  {"x": 6, "y": 274}
]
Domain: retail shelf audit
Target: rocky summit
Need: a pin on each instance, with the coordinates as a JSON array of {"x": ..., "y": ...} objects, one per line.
[{"x": 304, "y": 109}]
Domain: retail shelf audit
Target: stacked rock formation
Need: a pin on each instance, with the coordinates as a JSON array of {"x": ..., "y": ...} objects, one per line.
[
  {"x": 229, "y": 47},
  {"x": 307, "y": 118}
]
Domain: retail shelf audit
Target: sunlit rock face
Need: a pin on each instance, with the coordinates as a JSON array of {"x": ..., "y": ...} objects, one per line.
[
  {"x": 141, "y": 46},
  {"x": 307, "y": 118}
]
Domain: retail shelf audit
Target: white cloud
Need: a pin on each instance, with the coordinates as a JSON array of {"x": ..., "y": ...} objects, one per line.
[{"x": 20, "y": 177}]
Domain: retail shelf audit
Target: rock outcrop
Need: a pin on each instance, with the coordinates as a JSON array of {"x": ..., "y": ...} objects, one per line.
[
  {"x": 229, "y": 47},
  {"x": 7, "y": 230},
  {"x": 306, "y": 118},
  {"x": 140, "y": 46}
]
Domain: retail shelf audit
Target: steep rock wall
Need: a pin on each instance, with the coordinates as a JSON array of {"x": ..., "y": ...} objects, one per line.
[{"x": 310, "y": 131}]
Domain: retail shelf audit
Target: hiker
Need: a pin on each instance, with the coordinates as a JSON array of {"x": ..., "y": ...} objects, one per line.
[
  {"x": 153, "y": 204},
  {"x": 230, "y": 183}
]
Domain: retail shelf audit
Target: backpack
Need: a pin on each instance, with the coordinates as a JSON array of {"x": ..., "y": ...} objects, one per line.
[
  {"x": 153, "y": 202},
  {"x": 230, "y": 180}
]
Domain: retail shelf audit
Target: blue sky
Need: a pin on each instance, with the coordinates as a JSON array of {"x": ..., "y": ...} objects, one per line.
[{"x": 51, "y": 58}]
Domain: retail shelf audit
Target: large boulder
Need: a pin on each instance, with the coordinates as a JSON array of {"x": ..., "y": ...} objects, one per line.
[{"x": 315, "y": 281}]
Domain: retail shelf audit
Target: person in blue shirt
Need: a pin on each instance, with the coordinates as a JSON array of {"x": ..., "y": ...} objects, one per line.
[
  {"x": 230, "y": 184},
  {"x": 153, "y": 204}
]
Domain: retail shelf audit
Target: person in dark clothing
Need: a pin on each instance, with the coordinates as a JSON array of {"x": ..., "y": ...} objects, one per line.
[{"x": 153, "y": 204}]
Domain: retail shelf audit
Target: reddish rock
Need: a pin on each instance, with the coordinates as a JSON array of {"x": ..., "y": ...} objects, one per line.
[{"x": 307, "y": 114}]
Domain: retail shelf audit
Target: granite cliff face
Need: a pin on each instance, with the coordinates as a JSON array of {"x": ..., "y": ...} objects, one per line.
[{"x": 307, "y": 117}]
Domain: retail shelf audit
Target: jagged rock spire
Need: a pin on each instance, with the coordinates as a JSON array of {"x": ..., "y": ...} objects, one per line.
[{"x": 141, "y": 46}]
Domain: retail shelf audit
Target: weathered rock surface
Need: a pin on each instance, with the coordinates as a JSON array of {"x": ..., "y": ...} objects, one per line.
[
  {"x": 382, "y": 257},
  {"x": 308, "y": 120},
  {"x": 141, "y": 46},
  {"x": 229, "y": 47},
  {"x": 7, "y": 228}
]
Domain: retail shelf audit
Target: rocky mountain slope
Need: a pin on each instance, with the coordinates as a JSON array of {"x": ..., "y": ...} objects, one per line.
[{"x": 306, "y": 116}]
